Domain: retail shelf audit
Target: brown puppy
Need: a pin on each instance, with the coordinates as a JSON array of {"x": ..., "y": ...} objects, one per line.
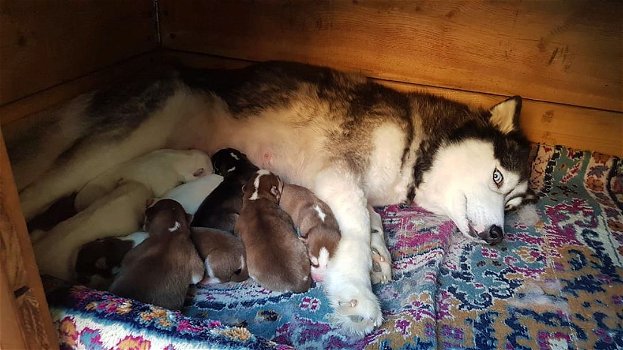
[
  {"x": 222, "y": 254},
  {"x": 159, "y": 270},
  {"x": 316, "y": 223},
  {"x": 277, "y": 259}
]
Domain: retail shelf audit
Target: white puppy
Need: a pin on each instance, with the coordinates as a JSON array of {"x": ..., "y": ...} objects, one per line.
[
  {"x": 116, "y": 213},
  {"x": 160, "y": 171},
  {"x": 191, "y": 194}
]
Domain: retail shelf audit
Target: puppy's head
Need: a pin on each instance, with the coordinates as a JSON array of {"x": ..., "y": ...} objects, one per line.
[
  {"x": 193, "y": 165},
  {"x": 321, "y": 245},
  {"x": 264, "y": 185},
  {"x": 166, "y": 215},
  {"x": 100, "y": 257},
  {"x": 229, "y": 160},
  {"x": 225, "y": 268}
]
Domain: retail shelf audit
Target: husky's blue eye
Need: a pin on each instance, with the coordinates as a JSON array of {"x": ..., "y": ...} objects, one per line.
[{"x": 498, "y": 178}]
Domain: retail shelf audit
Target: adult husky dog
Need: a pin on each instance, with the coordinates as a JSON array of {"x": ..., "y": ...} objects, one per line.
[{"x": 353, "y": 142}]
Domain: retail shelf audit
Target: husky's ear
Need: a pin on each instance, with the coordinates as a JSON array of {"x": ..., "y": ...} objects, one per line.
[{"x": 505, "y": 115}]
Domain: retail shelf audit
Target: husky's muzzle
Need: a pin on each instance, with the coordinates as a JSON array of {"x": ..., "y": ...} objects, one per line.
[{"x": 493, "y": 235}]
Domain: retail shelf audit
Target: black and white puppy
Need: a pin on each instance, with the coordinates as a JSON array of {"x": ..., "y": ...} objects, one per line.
[{"x": 221, "y": 207}]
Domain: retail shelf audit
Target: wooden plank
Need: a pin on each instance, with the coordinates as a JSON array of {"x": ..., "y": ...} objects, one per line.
[
  {"x": 36, "y": 321},
  {"x": 45, "y": 43},
  {"x": 56, "y": 95},
  {"x": 568, "y": 52},
  {"x": 11, "y": 335},
  {"x": 550, "y": 123}
]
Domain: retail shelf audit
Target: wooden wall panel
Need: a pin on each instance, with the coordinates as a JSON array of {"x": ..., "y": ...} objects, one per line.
[
  {"x": 550, "y": 123},
  {"x": 45, "y": 43},
  {"x": 59, "y": 94},
  {"x": 21, "y": 288},
  {"x": 568, "y": 52}
]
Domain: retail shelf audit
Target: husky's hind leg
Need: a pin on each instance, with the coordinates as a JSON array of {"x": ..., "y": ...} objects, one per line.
[
  {"x": 381, "y": 258},
  {"x": 82, "y": 162},
  {"x": 104, "y": 148},
  {"x": 34, "y": 142}
]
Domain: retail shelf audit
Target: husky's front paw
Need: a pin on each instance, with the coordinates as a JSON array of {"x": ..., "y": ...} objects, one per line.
[
  {"x": 381, "y": 259},
  {"x": 357, "y": 309}
]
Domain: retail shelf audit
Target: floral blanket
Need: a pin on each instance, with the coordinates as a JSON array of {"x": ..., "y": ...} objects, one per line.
[{"x": 556, "y": 284}]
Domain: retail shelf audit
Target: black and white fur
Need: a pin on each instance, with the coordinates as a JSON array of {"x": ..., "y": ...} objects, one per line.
[{"x": 351, "y": 141}]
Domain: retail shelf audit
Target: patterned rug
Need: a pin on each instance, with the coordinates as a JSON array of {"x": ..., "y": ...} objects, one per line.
[{"x": 556, "y": 284}]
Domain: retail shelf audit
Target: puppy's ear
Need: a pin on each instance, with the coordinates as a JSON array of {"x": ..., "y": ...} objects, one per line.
[
  {"x": 199, "y": 172},
  {"x": 314, "y": 261},
  {"x": 505, "y": 115},
  {"x": 274, "y": 190},
  {"x": 244, "y": 187}
]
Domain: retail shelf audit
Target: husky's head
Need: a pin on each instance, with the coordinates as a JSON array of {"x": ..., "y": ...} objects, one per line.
[{"x": 478, "y": 171}]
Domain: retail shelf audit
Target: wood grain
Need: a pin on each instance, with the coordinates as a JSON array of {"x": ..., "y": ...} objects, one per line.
[
  {"x": 568, "y": 52},
  {"x": 59, "y": 94},
  {"x": 35, "y": 321},
  {"x": 550, "y": 123},
  {"x": 45, "y": 43},
  {"x": 11, "y": 334}
]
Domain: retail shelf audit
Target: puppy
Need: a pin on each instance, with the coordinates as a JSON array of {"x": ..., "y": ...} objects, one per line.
[
  {"x": 221, "y": 208},
  {"x": 160, "y": 171},
  {"x": 191, "y": 194},
  {"x": 159, "y": 270},
  {"x": 98, "y": 261},
  {"x": 316, "y": 224},
  {"x": 222, "y": 254},
  {"x": 277, "y": 259},
  {"x": 116, "y": 213}
]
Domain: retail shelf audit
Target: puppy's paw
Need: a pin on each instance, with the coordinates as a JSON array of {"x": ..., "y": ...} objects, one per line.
[
  {"x": 381, "y": 258},
  {"x": 381, "y": 266},
  {"x": 356, "y": 310}
]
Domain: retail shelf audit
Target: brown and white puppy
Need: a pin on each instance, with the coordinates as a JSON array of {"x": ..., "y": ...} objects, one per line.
[
  {"x": 316, "y": 224},
  {"x": 159, "y": 270},
  {"x": 99, "y": 261},
  {"x": 222, "y": 253},
  {"x": 277, "y": 259},
  {"x": 221, "y": 207}
]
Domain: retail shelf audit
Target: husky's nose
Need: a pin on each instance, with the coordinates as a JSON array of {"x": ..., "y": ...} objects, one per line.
[{"x": 493, "y": 235}]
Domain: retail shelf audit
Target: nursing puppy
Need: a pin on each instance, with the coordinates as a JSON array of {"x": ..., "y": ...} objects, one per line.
[
  {"x": 160, "y": 171},
  {"x": 159, "y": 270},
  {"x": 191, "y": 194},
  {"x": 114, "y": 214},
  {"x": 221, "y": 208},
  {"x": 99, "y": 261},
  {"x": 222, "y": 253},
  {"x": 277, "y": 259},
  {"x": 316, "y": 224}
]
